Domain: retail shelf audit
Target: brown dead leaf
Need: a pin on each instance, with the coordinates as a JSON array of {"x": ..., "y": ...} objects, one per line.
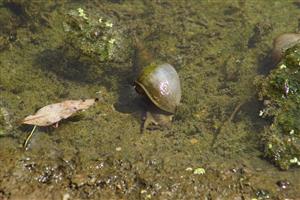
[{"x": 53, "y": 113}]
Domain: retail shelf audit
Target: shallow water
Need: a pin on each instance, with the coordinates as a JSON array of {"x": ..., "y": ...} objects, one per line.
[{"x": 217, "y": 48}]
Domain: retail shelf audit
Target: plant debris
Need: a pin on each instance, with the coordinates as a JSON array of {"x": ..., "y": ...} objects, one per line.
[
  {"x": 280, "y": 91},
  {"x": 53, "y": 113}
]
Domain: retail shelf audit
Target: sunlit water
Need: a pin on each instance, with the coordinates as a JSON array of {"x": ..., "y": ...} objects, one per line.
[{"x": 217, "y": 48}]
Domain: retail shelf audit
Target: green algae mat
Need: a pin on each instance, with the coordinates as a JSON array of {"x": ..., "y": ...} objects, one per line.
[
  {"x": 281, "y": 93},
  {"x": 235, "y": 134}
]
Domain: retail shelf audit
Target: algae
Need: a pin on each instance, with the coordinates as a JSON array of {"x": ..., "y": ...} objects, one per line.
[
  {"x": 96, "y": 35},
  {"x": 209, "y": 44},
  {"x": 281, "y": 91}
]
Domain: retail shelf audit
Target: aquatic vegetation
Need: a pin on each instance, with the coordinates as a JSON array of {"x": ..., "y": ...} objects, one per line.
[
  {"x": 96, "y": 35},
  {"x": 5, "y": 124},
  {"x": 80, "y": 160},
  {"x": 280, "y": 91},
  {"x": 3, "y": 42},
  {"x": 53, "y": 113},
  {"x": 81, "y": 13},
  {"x": 199, "y": 171},
  {"x": 261, "y": 195}
]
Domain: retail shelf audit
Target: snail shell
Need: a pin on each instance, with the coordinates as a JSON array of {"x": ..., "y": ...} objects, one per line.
[
  {"x": 161, "y": 84},
  {"x": 282, "y": 43}
]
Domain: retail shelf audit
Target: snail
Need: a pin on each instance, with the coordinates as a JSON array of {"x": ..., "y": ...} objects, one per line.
[
  {"x": 282, "y": 43},
  {"x": 161, "y": 85}
]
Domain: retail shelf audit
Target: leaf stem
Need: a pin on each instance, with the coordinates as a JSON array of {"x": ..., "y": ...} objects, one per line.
[{"x": 29, "y": 136}]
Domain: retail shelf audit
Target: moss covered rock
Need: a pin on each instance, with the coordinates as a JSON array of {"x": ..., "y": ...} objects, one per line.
[
  {"x": 96, "y": 35},
  {"x": 280, "y": 91}
]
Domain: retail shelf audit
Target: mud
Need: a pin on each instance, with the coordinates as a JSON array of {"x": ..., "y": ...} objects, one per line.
[{"x": 217, "y": 48}]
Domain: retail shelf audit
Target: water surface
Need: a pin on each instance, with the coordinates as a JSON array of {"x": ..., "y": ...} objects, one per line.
[{"x": 218, "y": 48}]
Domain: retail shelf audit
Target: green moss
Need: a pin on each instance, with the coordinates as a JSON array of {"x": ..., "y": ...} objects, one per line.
[
  {"x": 2, "y": 123},
  {"x": 215, "y": 66},
  {"x": 282, "y": 89},
  {"x": 96, "y": 35}
]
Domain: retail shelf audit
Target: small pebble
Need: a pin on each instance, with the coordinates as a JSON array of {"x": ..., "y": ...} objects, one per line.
[
  {"x": 118, "y": 149},
  {"x": 66, "y": 196},
  {"x": 193, "y": 141},
  {"x": 189, "y": 169},
  {"x": 283, "y": 184}
]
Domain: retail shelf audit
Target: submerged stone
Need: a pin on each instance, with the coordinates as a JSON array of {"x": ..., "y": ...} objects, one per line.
[
  {"x": 281, "y": 89},
  {"x": 96, "y": 35}
]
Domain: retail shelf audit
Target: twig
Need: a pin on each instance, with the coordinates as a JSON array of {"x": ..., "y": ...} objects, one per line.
[
  {"x": 236, "y": 109},
  {"x": 28, "y": 138}
]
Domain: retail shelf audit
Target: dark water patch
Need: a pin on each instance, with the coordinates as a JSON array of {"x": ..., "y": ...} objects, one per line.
[
  {"x": 231, "y": 10},
  {"x": 266, "y": 63},
  {"x": 297, "y": 4},
  {"x": 77, "y": 68},
  {"x": 116, "y": 1},
  {"x": 251, "y": 108},
  {"x": 30, "y": 14},
  {"x": 64, "y": 66},
  {"x": 260, "y": 31},
  {"x": 17, "y": 8},
  {"x": 71, "y": 66}
]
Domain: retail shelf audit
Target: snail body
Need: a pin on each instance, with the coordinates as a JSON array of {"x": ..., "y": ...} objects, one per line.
[
  {"x": 161, "y": 84},
  {"x": 282, "y": 43}
]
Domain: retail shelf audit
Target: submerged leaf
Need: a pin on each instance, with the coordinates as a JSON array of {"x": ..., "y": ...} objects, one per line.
[{"x": 53, "y": 113}]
